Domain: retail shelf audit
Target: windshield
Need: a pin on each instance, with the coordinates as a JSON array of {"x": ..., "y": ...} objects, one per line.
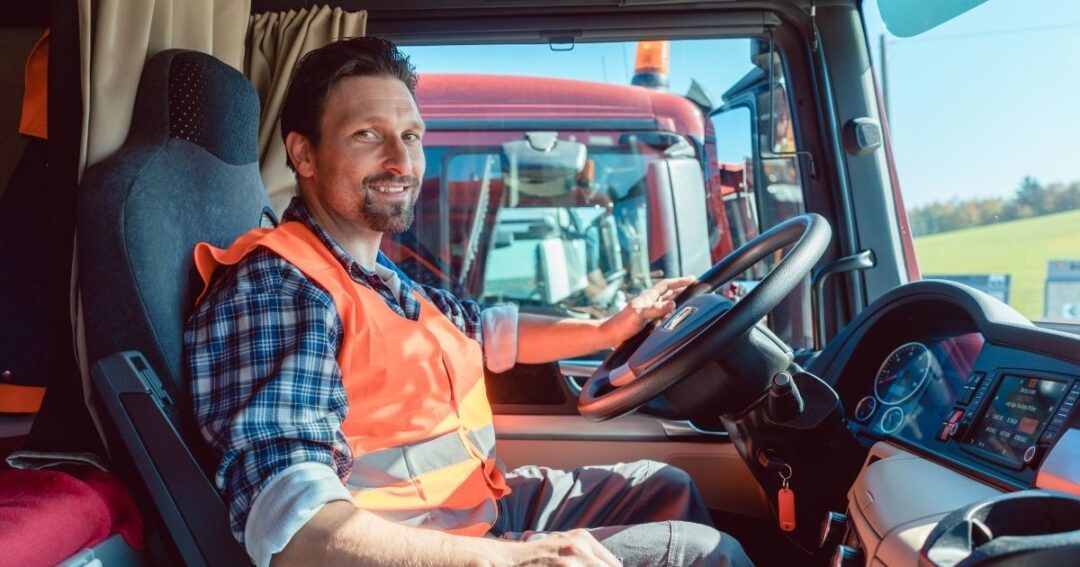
[
  {"x": 983, "y": 119},
  {"x": 569, "y": 185},
  {"x": 542, "y": 218}
]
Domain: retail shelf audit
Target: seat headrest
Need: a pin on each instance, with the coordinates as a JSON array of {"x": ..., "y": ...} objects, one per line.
[{"x": 175, "y": 101}]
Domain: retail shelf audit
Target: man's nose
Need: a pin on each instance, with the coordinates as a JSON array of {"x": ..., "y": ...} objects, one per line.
[{"x": 396, "y": 158}]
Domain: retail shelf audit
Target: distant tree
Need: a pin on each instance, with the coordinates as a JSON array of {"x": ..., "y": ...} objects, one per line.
[
  {"x": 1031, "y": 199},
  {"x": 1033, "y": 196},
  {"x": 993, "y": 210},
  {"x": 1070, "y": 197}
]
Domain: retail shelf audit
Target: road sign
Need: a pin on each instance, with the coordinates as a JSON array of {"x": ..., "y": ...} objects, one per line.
[{"x": 1062, "y": 290}]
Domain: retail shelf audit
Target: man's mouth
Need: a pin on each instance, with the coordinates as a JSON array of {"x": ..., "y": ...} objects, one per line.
[{"x": 390, "y": 188}]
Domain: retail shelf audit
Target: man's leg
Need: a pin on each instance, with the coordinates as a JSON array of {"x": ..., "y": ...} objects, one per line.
[
  {"x": 664, "y": 544},
  {"x": 645, "y": 512}
]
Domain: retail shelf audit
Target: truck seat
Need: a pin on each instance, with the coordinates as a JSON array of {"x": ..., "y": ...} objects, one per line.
[{"x": 187, "y": 172}]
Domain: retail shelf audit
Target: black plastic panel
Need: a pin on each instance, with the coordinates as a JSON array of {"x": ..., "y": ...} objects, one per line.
[{"x": 182, "y": 496}]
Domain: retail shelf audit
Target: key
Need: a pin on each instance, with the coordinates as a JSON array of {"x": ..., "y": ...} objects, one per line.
[{"x": 785, "y": 502}]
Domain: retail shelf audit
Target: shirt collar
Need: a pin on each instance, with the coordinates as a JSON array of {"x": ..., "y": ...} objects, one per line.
[{"x": 298, "y": 211}]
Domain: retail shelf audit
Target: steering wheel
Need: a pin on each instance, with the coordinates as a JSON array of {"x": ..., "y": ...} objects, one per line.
[{"x": 704, "y": 323}]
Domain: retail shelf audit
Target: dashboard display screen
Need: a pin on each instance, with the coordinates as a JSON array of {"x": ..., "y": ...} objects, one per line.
[{"x": 1016, "y": 415}]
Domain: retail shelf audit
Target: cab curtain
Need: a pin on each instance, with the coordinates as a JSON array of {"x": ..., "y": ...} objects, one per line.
[
  {"x": 276, "y": 41},
  {"x": 118, "y": 36}
]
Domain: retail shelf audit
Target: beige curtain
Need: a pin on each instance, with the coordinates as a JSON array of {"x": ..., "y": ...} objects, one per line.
[
  {"x": 276, "y": 41},
  {"x": 118, "y": 36}
]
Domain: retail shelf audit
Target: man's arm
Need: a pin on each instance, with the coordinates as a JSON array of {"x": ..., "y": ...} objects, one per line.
[
  {"x": 547, "y": 339},
  {"x": 342, "y": 534},
  {"x": 267, "y": 396}
]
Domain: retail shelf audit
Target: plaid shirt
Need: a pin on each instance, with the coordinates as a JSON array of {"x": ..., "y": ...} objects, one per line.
[{"x": 261, "y": 352}]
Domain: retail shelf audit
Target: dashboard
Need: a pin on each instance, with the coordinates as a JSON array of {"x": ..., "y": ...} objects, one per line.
[
  {"x": 958, "y": 400},
  {"x": 960, "y": 379}
]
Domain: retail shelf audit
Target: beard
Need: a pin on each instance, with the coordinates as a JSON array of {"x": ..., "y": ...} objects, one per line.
[{"x": 389, "y": 217}]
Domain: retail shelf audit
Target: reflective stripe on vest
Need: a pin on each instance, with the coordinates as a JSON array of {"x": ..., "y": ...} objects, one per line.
[{"x": 422, "y": 441}]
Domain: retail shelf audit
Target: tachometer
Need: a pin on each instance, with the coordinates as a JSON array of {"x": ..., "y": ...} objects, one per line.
[{"x": 903, "y": 373}]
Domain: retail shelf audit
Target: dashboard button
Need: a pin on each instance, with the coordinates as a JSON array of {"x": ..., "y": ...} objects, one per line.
[
  {"x": 965, "y": 395},
  {"x": 1049, "y": 436},
  {"x": 974, "y": 378},
  {"x": 1029, "y": 454},
  {"x": 944, "y": 433},
  {"x": 833, "y": 530},
  {"x": 950, "y": 426},
  {"x": 847, "y": 556}
]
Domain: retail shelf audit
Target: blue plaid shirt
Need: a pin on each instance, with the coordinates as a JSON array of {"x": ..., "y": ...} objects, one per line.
[{"x": 261, "y": 352}]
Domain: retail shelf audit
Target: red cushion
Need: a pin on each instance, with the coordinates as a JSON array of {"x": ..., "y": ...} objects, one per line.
[{"x": 46, "y": 516}]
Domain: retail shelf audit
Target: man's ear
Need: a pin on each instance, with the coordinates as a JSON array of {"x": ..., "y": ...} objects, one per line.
[{"x": 301, "y": 154}]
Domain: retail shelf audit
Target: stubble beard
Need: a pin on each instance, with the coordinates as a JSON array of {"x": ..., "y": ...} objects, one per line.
[{"x": 394, "y": 218}]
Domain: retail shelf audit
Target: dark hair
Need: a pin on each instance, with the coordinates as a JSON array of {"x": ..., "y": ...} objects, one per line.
[{"x": 318, "y": 71}]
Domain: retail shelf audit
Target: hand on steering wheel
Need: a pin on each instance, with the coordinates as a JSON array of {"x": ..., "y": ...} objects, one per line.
[
  {"x": 704, "y": 323},
  {"x": 652, "y": 304}
]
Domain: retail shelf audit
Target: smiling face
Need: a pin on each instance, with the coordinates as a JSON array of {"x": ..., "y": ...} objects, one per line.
[{"x": 363, "y": 177}]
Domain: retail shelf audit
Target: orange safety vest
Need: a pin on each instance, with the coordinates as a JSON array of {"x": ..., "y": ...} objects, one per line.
[{"x": 419, "y": 423}]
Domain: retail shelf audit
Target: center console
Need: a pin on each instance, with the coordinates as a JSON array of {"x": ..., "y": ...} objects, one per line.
[
  {"x": 884, "y": 522},
  {"x": 899, "y": 503}
]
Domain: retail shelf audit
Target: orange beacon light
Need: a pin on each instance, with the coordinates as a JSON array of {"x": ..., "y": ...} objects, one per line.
[{"x": 651, "y": 64}]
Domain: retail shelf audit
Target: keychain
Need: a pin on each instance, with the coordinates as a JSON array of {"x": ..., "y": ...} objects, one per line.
[{"x": 785, "y": 502}]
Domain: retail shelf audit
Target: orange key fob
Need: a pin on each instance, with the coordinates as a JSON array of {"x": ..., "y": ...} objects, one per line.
[{"x": 785, "y": 503}]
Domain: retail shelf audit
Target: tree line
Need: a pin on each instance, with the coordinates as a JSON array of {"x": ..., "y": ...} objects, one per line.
[{"x": 1031, "y": 199}]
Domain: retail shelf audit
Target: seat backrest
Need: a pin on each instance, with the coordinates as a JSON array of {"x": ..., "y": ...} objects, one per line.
[{"x": 188, "y": 172}]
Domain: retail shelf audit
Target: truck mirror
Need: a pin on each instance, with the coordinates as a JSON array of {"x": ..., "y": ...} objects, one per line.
[
  {"x": 544, "y": 166},
  {"x": 906, "y": 18}
]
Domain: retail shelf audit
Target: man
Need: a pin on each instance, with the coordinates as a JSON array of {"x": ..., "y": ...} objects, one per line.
[{"x": 347, "y": 403}]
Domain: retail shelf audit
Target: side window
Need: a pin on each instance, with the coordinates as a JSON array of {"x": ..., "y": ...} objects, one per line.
[{"x": 755, "y": 183}]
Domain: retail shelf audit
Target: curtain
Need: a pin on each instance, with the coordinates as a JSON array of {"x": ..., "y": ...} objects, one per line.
[
  {"x": 118, "y": 36},
  {"x": 276, "y": 41}
]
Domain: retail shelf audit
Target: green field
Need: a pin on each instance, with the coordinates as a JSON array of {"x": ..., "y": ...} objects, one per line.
[{"x": 1019, "y": 248}]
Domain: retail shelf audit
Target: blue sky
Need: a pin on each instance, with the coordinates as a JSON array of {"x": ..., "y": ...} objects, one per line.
[{"x": 975, "y": 104}]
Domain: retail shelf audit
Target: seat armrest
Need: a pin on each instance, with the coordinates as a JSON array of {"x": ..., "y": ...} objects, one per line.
[{"x": 144, "y": 421}]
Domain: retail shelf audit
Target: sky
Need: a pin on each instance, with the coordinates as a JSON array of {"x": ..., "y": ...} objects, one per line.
[{"x": 975, "y": 104}]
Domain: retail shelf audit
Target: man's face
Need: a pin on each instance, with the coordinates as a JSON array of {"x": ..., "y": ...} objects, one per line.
[{"x": 369, "y": 162}]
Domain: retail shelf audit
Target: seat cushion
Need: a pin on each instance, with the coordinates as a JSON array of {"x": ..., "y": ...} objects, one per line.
[{"x": 48, "y": 515}]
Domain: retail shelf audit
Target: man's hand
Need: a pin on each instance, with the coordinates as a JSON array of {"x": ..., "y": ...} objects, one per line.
[
  {"x": 570, "y": 549},
  {"x": 341, "y": 534},
  {"x": 656, "y": 302}
]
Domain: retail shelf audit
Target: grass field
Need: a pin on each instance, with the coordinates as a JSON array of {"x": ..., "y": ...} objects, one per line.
[{"x": 1019, "y": 248}]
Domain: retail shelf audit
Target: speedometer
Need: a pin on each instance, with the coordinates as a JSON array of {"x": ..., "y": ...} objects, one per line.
[{"x": 903, "y": 373}]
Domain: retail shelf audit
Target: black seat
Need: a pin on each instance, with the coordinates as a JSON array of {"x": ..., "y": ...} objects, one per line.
[{"x": 188, "y": 172}]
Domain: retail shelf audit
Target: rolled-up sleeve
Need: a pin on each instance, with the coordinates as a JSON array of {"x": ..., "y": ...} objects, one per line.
[
  {"x": 266, "y": 387},
  {"x": 500, "y": 328}
]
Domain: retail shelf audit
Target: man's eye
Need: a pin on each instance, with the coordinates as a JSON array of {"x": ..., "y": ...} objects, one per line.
[
  {"x": 411, "y": 137},
  {"x": 365, "y": 134}
]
